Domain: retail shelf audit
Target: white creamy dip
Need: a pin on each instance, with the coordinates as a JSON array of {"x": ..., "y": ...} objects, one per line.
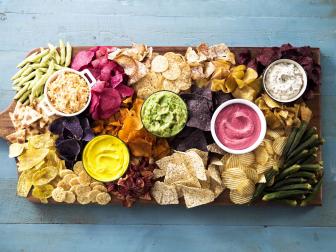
[{"x": 284, "y": 81}]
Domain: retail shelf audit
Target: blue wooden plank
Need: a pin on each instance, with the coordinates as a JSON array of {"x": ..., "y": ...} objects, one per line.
[{"x": 31, "y": 238}]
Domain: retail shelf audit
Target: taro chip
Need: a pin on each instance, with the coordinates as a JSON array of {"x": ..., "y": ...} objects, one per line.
[
  {"x": 30, "y": 158},
  {"x": 197, "y": 196},
  {"x": 15, "y": 150},
  {"x": 164, "y": 194}
]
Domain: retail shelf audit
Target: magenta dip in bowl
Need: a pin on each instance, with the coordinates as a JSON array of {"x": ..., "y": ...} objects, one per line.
[{"x": 238, "y": 126}]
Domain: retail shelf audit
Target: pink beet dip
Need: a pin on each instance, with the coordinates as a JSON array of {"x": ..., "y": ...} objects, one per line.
[{"x": 237, "y": 126}]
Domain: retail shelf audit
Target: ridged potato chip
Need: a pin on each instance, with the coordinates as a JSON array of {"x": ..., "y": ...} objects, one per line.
[
  {"x": 44, "y": 176},
  {"x": 246, "y": 187},
  {"x": 232, "y": 161},
  {"x": 246, "y": 159},
  {"x": 251, "y": 174},
  {"x": 261, "y": 155},
  {"x": 279, "y": 144},
  {"x": 237, "y": 198}
]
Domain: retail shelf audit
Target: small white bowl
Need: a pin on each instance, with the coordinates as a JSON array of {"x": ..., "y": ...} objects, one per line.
[
  {"x": 303, "y": 72},
  {"x": 261, "y": 117},
  {"x": 46, "y": 105}
]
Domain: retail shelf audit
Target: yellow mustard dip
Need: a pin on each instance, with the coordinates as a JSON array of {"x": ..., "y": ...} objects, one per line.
[{"x": 105, "y": 158}]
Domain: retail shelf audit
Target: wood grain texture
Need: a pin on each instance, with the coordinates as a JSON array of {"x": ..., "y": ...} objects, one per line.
[{"x": 6, "y": 126}]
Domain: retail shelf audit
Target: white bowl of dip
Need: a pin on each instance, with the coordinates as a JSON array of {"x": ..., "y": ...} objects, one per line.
[
  {"x": 285, "y": 80},
  {"x": 47, "y": 106},
  {"x": 238, "y": 126}
]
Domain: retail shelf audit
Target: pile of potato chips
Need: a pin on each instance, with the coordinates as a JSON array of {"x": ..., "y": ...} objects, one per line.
[
  {"x": 38, "y": 165},
  {"x": 242, "y": 172},
  {"x": 186, "y": 174},
  {"x": 77, "y": 185},
  {"x": 279, "y": 116},
  {"x": 168, "y": 72}
]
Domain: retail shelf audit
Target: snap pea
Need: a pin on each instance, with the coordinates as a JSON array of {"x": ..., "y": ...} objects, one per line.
[
  {"x": 68, "y": 54},
  {"x": 62, "y": 50},
  {"x": 27, "y": 78},
  {"x": 26, "y": 60},
  {"x": 282, "y": 194},
  {"x": 22, "y": 91}
]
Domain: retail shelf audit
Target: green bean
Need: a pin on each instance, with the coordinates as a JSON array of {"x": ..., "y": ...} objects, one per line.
[
  {"x": 17, "y": 80},
  {"x": 27, "y": 59},
  {"x": 55, "y": 52},
  {"x": 26, "y": 102},
  {"x": 289, "y": 181},
  {"x": 311, "y": 142},
  {"x": 298, "y": 136},
  {"x": 288, "y": 171},
  {"x": 282, "y": 194},
  {"x": 27, "y": 78},
  {"x": 22, "y": 91},
  {"x": 36, "y": 57},
  {"x": 303, "y": 174},
  {"x": 18, "y": 73},
  {"x": 312, "y": 195},
  {"x": 24, "y": 96},
  {"x": 289, "y": 142},
  {"x": 68, "y": 54},
  {"x": 58, "y": 67},
  {"x": 46, "y": 58},
  {"x": 27, "y": 71},
  {"x": 303, "y": 186},
  {"x": 62, "y": 50}
]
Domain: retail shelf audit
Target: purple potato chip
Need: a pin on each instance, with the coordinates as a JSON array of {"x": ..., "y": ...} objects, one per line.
[
  {"x": 73, "y": 125},
  {"x": 57, "y": 127},
  {"x": 68, "y": 149}
]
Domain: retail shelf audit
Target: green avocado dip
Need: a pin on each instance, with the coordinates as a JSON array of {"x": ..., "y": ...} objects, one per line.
[{"x": 164, "y": 114}]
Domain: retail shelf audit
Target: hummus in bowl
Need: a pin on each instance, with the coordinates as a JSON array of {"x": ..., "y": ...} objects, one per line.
[{"x": 238, "y": 126}]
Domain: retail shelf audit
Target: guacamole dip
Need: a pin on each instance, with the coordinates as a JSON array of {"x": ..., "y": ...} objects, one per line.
[{"x": 164, "y": 114}]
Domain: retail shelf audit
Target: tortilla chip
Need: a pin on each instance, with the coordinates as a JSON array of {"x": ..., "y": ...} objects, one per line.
[{"x": 197, "y": 196}]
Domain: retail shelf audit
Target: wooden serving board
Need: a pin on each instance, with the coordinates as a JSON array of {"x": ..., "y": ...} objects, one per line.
[{"x": 314, "y": 104}]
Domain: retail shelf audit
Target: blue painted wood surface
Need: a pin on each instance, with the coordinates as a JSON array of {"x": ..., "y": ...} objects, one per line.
[{"x": 28, "y": 24}]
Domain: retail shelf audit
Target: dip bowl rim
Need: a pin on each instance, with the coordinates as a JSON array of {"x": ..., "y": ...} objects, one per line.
[
  {"x": 54, "y": 76},
  {"x": 262, "y": 119},
  {"x": 109, "y": 136},
  {"x": 160, "y": 91},
  {"x": 303, "y": 72}
]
